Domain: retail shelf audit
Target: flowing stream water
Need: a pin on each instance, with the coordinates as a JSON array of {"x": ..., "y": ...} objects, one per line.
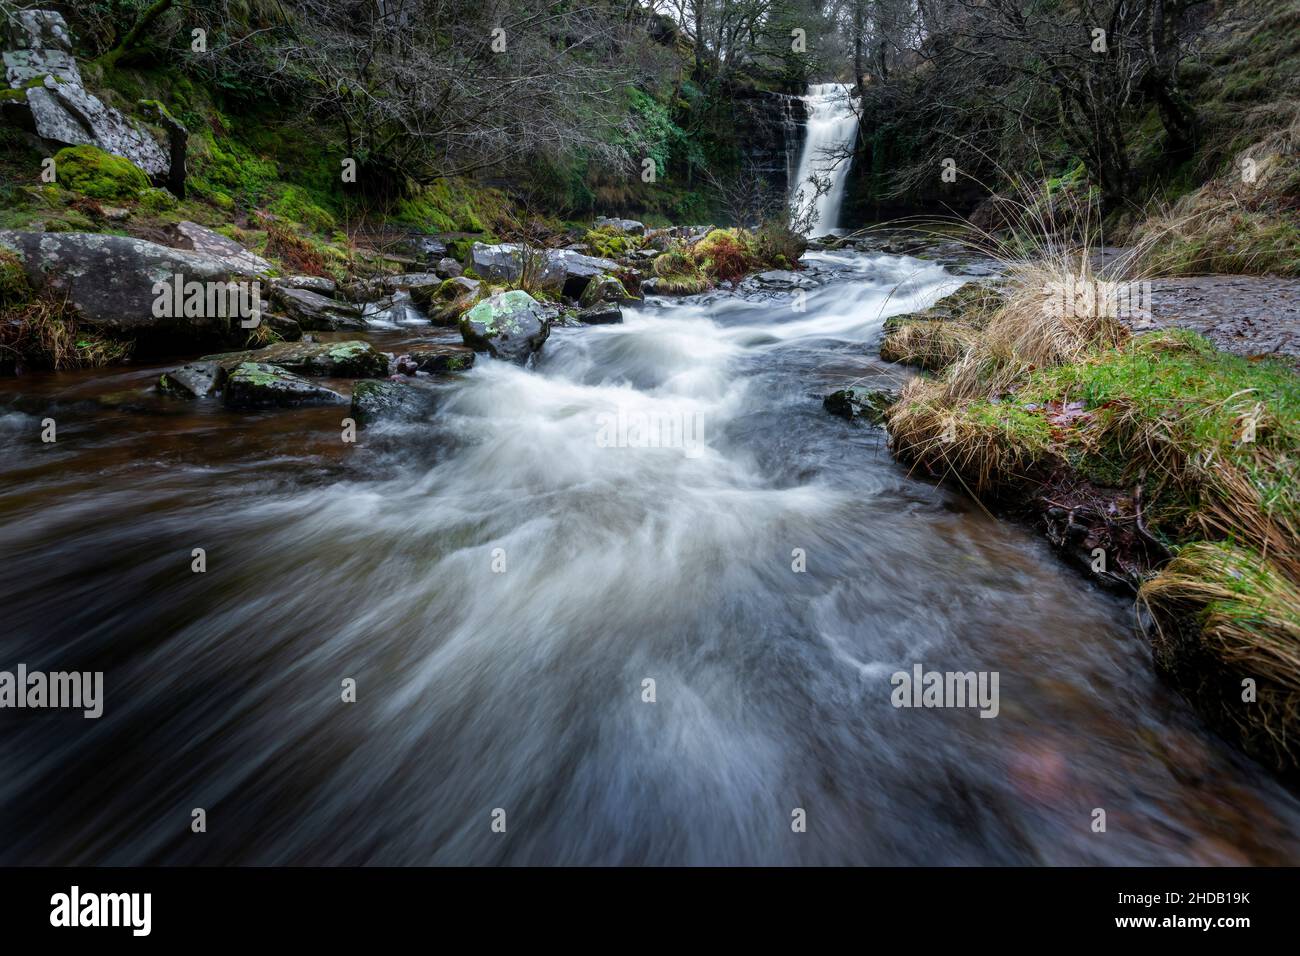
[
  {"x": 501, "y": 581},
  {"x": 832, "y": 127}
]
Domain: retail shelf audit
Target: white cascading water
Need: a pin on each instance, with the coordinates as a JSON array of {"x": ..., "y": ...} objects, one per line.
[{"x": 832, "y": 126}]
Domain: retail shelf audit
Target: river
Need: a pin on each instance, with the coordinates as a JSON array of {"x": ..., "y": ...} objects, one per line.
[{"x": 502, "y": 580}]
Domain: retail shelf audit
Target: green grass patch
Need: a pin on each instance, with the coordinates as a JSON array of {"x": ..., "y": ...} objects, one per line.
[{"x": 1173, "y": 406}]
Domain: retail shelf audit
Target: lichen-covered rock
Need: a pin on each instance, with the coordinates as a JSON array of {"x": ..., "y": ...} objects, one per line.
[
  {"x": 110, "y": 282},
  {"x": 318, "y": 284},
  {"x": 195, "y": 380},
  {"x": 258, "y": 385},
  {"x": 317, "y": 313},
  {"x": 192, "y": 236},
  {"x": 39, "y": 58},
  {"x": 509, "y": 325},
  {"x": 39, "y": 45},
  {"x": 352, "y": 359},
  {"x": 374, "y": 400},
  {"x": 442, "y": 358}
]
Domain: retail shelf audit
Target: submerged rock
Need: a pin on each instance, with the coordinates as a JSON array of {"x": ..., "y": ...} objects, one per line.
[
  {"x": 373, "y": 400},
  {"x": 851, "y": 403},
  {"x": 779, "y": 280},
  {"x": 352, "y": 359},
  {"x": 510, "y": 325},
  {"x": 195, "y": 380},
  {"x": 258, "y": 385}
]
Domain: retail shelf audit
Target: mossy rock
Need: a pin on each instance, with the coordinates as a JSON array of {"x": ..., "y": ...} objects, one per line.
[
  {"x": 91, "y": 171},
  {"x": 382, "y": 399},
  {"x": 351, "y": 359},
  {"x": 258, "y": 385},
  {"x": 871, "y": 404},
  {"x": 604, "y": 288}
]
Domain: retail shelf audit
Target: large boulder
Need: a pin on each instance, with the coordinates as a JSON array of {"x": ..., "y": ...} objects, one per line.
[
  {"x": 353, "y": 359},
  {"x": 317, "y": 313},
  {"x": 258, "y": 385},
  {"x": 509, "y": 325},
  {"x": 557, "y": 268},
  {"x": 119, "y": 285},
  {"x": 505, "y": 263},
  {"x": 62, "y": 109}
]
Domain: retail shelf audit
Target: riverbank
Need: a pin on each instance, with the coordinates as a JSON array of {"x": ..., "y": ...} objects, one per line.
[{"x": 1156, "y": 462}]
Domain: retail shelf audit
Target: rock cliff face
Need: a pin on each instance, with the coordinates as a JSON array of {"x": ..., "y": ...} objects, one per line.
[
  {"x": 770, "y": 130},
  {"x": 39, "y": 60}
]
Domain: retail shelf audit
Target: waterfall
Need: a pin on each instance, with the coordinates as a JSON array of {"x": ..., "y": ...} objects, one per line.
[{"x": 832, "y": 125}]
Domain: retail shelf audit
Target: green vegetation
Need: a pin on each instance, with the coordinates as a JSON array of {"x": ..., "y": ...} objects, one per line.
[{"x": 97, "y": 174}]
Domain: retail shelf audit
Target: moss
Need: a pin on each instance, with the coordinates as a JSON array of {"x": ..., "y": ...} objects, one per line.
[
  {"x": 100, "y": 175},
  {"x": 457, "y": 205},
  {"x": 228, "y": 173},
  {"x": 610, "y": 244},
  {"x": 158, "y": 200},
  {"x": 296, "y": 205},
  {"x": 14, "y": 288}
]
